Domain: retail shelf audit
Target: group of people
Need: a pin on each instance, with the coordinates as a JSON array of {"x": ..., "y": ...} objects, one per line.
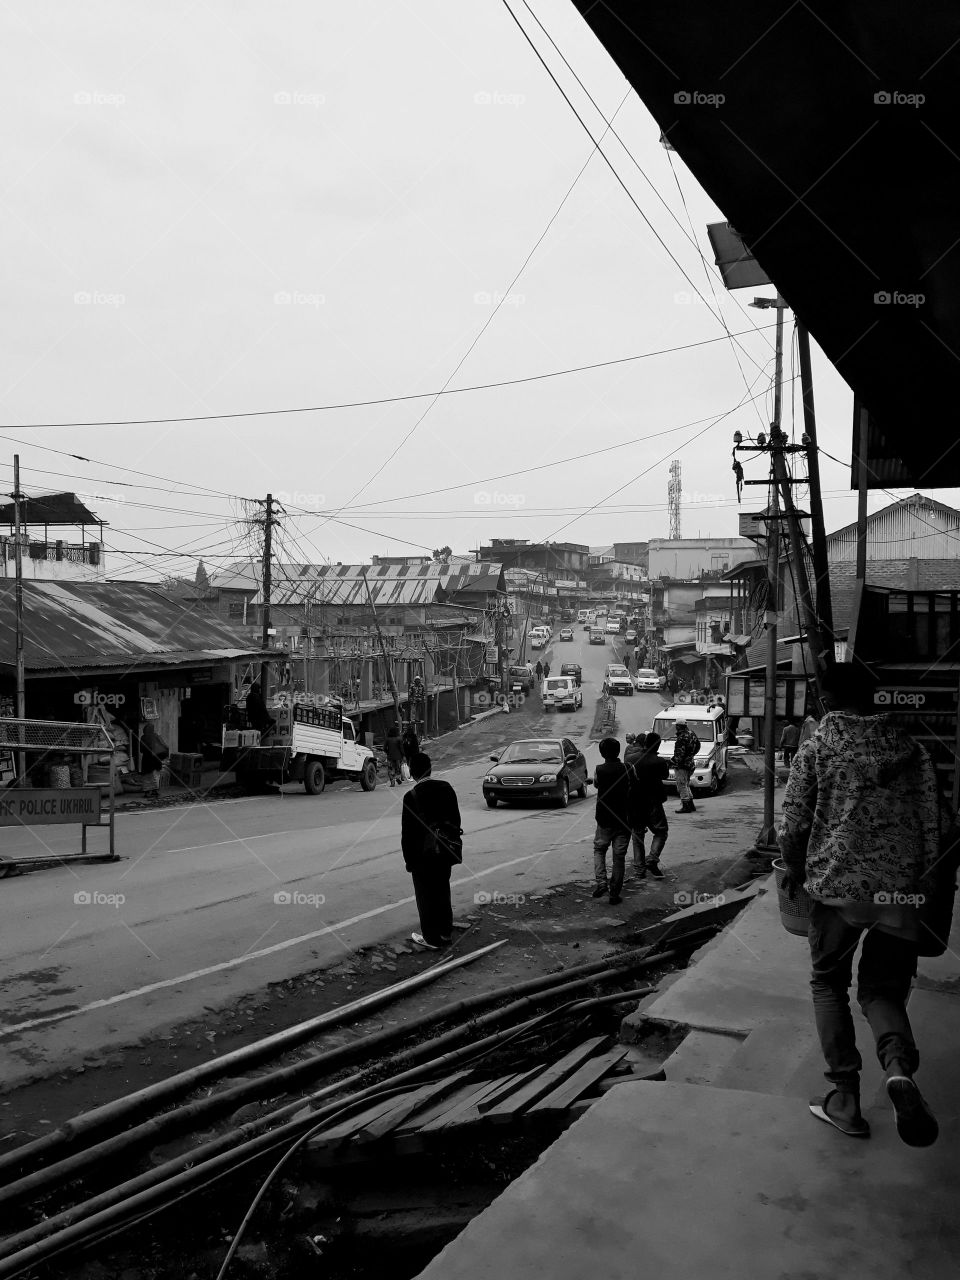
[
  {"x": 400, "y": 748},
  {"x": 630, "y": 796},
  {"x": 542, "y": 670}
]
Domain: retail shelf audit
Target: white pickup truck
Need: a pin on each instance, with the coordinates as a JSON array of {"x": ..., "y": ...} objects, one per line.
[{"x": 310, "y": 744}]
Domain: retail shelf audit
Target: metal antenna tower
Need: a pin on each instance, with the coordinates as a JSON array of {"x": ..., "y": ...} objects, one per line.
[{"x": 673, "y": 498}]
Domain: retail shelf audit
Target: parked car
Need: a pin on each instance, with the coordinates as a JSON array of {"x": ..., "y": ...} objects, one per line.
[
  {"x": 566, "y": 633},
  {"x": 538, "y": 640},
  {"x": 710, "y": 726},
  {"x": 597, "y": 635},
  {"x": 522, "y": 674},
  {"x": 647, "y": 678},
  {"x": 573, "y": 669},
  {"x": 536, "y": 769},
  {"x": 631, "y": 636},
  {"x": 562, "y": 693},
  {"x": 617, "y": 679}
]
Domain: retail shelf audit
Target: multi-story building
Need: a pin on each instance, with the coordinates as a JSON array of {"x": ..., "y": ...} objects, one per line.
[
  {"x": 686, "y": 558},
  {"x": 55, "y": 545}
]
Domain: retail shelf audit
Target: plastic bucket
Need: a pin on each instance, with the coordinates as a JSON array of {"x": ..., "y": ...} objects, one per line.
[{"x": 795, "y": 914}]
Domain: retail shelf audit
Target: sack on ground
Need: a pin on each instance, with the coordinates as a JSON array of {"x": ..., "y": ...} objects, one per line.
[{"x": 405, "y": 771}]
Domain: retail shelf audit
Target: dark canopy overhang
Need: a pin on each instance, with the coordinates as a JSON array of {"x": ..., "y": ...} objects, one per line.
[{"x": 803, "y": 122}]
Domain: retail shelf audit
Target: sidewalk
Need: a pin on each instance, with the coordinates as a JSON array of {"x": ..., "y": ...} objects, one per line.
[{"x": 721, "y": 1171}]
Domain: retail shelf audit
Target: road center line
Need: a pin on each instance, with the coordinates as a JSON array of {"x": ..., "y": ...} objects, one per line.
[{"x": 17, "y": 1027}]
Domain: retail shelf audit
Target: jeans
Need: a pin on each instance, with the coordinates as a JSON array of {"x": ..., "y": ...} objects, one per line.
[
  {"x": 619, "y": 837},
  {"x": 393, "y": 772},
  {"x": 683, "y": 784},
  {"x": 431, "y": 885},
  {"x": 655, "y": 822},
  {"x": 887, "y": 967}
]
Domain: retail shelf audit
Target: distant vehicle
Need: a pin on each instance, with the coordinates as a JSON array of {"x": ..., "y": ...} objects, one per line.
[
  {"x": 602, "y": 611},
  {"x": 562, "y": 693},
  {"x": 310, "y": 744},
  {"x": 583, "y": 615},
  {"x": 631, "y": 636},
  {"x": 597, "y": 635},
  {"x": 536, "y": 769},
  {"x": 613, "y": 627},
  {"x": 566, "y": 633},
  {"x": 710, "y": 726},
  {"x": 573, "y": 669},
  {"x": 538, "y": 640},
  {"x": 522, "y": 674},
  {"x": 617, "y": 679},
  {"x": 648, "y": 679}
]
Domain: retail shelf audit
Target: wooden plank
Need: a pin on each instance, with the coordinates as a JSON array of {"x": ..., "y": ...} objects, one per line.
[
  {"x": 543, "y": 1083},
  {"x": 509, "y": 1085},
  {"x": 406, "y": 1105},
  {"x": 579, "y": 1082},
  {"x": 467, "y": 1110},
  {"x": 417, "y": 1121},
  {"x": 415, "y": 1133},
  {"x": 345, "y": 1128}
]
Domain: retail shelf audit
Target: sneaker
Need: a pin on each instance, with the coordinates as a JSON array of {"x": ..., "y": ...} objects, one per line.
[
  {"x": 599, "y": 891},
  {"x": 916, "y": 1124},
  {"x": 654, "y": 869},
  {"x": 615, "y": 899},
  {"x": 639, "y": 870},
  {"x": 421, "y": 941}
]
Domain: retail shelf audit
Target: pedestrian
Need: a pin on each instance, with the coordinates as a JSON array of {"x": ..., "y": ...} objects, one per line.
[
  {"x": 431, "y": 843},
  {"x": 626, "y": 661},
  {"x": 613, "y": 821},
  {"x": 648, "y": 773},
  {"x": 861, "y": 832},
  {"x": 410, "y": 743},
  {"x": 546, "y": 670},
  {"x": 394, "y": 752},
  {"x": 539, "y": 670},
  {"x": 685, "y": 747},
  {"x": 153, "y": 752},
  {"x": 789, "y": 741},
  {"x": 258, "y": 717}
]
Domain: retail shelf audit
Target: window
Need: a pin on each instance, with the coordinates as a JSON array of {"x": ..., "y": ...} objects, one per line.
[
  {"x": 348, "y": 735},
  {"x": 235, "y": 609}
]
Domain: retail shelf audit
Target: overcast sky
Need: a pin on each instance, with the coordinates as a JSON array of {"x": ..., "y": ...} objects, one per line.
[{"x": 215, "y": 208}]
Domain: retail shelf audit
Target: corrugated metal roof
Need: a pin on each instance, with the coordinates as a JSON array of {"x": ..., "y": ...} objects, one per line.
[
  {"x": 75, "y": 625},
  {"x": 49, "y": 509}
]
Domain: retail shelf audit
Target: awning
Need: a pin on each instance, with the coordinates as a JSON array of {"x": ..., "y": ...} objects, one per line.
[
  {"x": 688, "y": 659},
  {"x": 680, "y": 647},
  {"x": 829, "y": 137}
]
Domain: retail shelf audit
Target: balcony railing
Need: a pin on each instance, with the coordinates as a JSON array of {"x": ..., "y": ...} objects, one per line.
[{"x": 58, "y": 551}]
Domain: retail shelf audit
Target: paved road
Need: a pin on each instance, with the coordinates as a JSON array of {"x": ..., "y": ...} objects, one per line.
[{"x": 213, "y": 901}]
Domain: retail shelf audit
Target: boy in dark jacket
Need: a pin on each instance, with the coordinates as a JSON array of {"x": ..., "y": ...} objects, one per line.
[
  {"x": 613, "y": 820},
  {"x": 429, "y": 804},
  {"x": 647, "y": 776},
  {"x": 393, "y": 747},
  {"x": 685, "y": 748}
]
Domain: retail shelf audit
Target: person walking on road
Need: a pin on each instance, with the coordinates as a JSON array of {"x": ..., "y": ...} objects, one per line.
[
  {"x": 539, "y": 670},
  {"x": 648, "y": 773},
  {"x": 546, "y": 670},
  {"x": 861, "y": 833},
  {"x": 394, "y": 752},
  {"x": 431, "y": 843},
  {"x": 411, "y": 744},
  {"x": 789, "y": 741},
  {"x": 685, "y": 748},
  {"x": 613, "y": 821}
]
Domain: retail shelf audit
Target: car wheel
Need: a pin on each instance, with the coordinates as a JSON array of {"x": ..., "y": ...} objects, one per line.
[
  {"x": 368, "y": 776},
  {"x": 564, "y": 795},
  {"x": 314, "y": 778},
  {"x": 491, "y": 801}
]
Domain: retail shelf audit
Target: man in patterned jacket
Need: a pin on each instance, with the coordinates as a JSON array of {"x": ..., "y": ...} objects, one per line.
[{"x": 861, "y": 832}]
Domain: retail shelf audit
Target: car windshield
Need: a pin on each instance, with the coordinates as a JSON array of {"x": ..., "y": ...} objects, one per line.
[
  {"x": 557, "y": 683},
  {"x": 518, "y": 671},
  {"x": 531, "y": 752},
  {"x": 667, "y": 729},
  {"x": 646, "y": 674},
  {"x": 616, "y": 671}
]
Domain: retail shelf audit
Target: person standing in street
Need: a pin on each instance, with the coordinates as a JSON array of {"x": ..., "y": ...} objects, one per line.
[
  {"x": 613, "y": 821},
  {"x": 546, "y": 670},
  {"x": 411, "y": 744},
  {"x": 685, "y": 748},
  {"x": 539, "y": 670},
  {"x": 153, "y": 752},
  {"x": 393, "y": 748},
  {"x": 430, "y": 840},
  {"x": 789, "y": 741},
  {"x": 861, "y": 833},
  {"x": 648, "y": 773}
]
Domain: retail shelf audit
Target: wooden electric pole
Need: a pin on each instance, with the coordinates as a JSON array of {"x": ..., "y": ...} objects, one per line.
[
  {"x": 267, "y": 584},
  {"x": 18, "y": 599}
]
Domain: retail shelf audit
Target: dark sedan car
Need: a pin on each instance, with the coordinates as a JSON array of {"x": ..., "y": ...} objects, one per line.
[
  {"x": 536, "y": 769},
  {"x": 573, "y": 669}
]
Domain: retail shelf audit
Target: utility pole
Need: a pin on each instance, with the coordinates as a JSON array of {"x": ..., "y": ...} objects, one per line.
[
  {"x": 267, "y": 583},
  {"x": 18, "y": 597},
  {"x": 383, "y": 651},
  {"x": 818, "y": 539}
]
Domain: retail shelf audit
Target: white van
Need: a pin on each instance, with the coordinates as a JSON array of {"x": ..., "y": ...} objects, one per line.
[
  {"x": 710, "y": 726},
  {"x": 561, "y": 692}
]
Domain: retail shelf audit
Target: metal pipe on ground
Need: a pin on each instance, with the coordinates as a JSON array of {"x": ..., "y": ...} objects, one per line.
[
  {"x": 112, "y": 1114},
  {"x": 69, "y": 1227},
  {"x": 87, "y": 1124}
]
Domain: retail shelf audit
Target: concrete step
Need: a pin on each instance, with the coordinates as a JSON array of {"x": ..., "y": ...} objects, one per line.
[
  {"x": 700, "y": 1057},
  {"x": 767, "y": 1061}
]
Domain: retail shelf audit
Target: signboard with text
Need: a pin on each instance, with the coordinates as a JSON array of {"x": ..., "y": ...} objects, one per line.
[
  {"x": 42, "y": 807},
  {"x": 746, "y": 696}
]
